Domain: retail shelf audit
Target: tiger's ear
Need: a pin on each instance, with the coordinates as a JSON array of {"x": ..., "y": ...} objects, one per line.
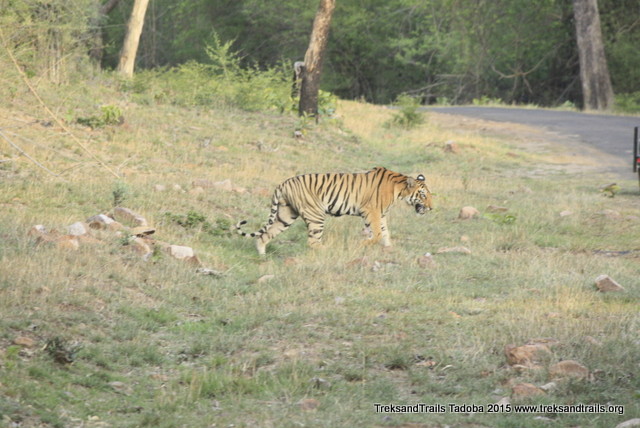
[
  {"x": 411, "y": 182},
  {"x": 420, "y": 177}
]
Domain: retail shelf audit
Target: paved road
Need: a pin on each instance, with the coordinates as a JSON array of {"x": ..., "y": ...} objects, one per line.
[{"x": 610, "y": 134}]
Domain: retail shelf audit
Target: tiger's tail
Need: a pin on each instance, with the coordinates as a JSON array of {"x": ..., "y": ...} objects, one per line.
[{"x": 272, "y": 217}]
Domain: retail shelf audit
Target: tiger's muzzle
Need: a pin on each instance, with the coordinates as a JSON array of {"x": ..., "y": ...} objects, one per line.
[{"x": 421, "y": 209}]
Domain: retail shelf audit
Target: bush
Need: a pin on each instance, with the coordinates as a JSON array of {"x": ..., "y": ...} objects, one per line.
[
  {"x": 221, "y": 82},
  {"x": 109, "y": 115},
  {"x": 628, "y": 103},
  {"x": 409, "y": 116}
]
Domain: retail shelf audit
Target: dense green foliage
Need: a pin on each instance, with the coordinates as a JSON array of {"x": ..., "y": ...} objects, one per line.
[{"x": 445, "y": 51}]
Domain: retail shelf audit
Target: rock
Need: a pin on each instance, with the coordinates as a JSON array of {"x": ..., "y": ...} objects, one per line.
[
  {"x": 298, "y": 135},
  {"x": 77, "y": 229},
  {"x": 100, "y": 221},
  {"x": 504, "y": 400},
  {"x": 380, "y": 265},
  {"x": 67, "y": 242},
  {"x": 177, "y": 188},
  {"x": 426, "y": 261},
  {"x": 142, "y": 231},
  {"x": 465, "y": 238},
  {"x": 566, "y": 213},
  {"x": 451, "y": 147},
  {"x": 37, "y": 230},
  {"x": 549, "y": 342},
  {"x": 467, "y": 213},
  {"x": 87, "y": 239},
  {"x": 605, "y": 284},
  {"x": 549, "y": 386},
  {"x": 121, "y": 387},
  {"x": 569, "y": 368},
  {"x": 25, "y": 342},
  {"x": 497, "y": 209},
  {"x": 194, "y": 261},
  {"x": 459, "y": 249},
  {"x": 141, "y": 246},
  {"x": 360, "y": 262},
  {"x": 196, "y": 190},
  {"x": 265, "y": 278},
  {"x": 524, "y": 390},
  {"x": 208, "y": 184},
  {"x": 115, "y": 226},
  {"x": 309, "y": 404},
  {"x": 125, "y": 215},
  {"x": 180, "y": 252},
  {"x": 207, "y": 271},
  {"x": 320, "y": 383},
  {"x": 529, "y": 368},
  {"x": 526, "y": 355},
  {"x": 159, "y": 187},
  {"x": 240, "y": 190},
  {"x": 629, "y": 424}
]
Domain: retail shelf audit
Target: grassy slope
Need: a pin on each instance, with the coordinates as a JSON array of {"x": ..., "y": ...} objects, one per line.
[{"x": 198, "y": 351}]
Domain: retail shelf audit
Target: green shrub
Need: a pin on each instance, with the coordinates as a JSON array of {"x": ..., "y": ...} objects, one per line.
[
  {"x": 220, "y": 83},
  {"x": 109, "y": 115},
  {"x": 628, "y": 103},
  {"x": 408, "y": 116}
]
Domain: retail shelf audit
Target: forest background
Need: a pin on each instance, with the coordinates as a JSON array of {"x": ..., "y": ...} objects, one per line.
[{"x": 441, "y": 51}]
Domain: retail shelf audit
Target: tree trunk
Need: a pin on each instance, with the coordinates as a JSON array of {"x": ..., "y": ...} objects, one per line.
[
  {"x": 597, "y": 92},
  {"x": 131, "y": 40},
  {"x": 313, "y": 59}
]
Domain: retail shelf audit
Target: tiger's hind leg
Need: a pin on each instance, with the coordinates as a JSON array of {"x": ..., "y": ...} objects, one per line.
[
  {"x": 283, "y": 218},
  {"x": 315, "y": 226}
]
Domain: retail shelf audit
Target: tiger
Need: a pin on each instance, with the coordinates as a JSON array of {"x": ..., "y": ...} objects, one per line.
[{"x": 314, "y": 196}]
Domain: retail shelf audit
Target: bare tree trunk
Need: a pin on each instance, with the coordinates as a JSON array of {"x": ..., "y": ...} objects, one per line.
[
  {"x": 131, "y": 40},
  {"x": 313, "y": 59},
  {"x": 594, "y": 74}
]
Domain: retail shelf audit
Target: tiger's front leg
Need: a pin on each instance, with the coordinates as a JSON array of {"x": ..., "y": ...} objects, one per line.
[{"x": 378, "y": 226}]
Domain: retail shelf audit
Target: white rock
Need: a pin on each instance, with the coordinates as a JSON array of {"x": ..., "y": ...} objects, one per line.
[
  {"x": 100, "y": 218},
  {"x": 629, "y": 424},
  {"x": 179, "y": 252},
  {"x": 125, "y": 215},
  {"x": 37, "y": 230},
  {"x": 77, "y": 229}
]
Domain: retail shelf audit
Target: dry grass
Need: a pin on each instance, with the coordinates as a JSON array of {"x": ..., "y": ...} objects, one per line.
[{"x": 198, "y": 351}]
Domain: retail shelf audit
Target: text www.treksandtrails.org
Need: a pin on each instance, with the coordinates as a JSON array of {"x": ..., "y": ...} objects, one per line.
[{"x": 499, "y": 408}]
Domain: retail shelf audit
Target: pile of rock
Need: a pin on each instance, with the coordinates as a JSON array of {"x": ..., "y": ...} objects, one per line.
[
  {"x": 120, "y": 223},
  {"x": 536, "y": 355}
]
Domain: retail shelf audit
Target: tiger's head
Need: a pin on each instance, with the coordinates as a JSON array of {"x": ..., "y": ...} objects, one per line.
[{"x": 417, "y": 194}]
